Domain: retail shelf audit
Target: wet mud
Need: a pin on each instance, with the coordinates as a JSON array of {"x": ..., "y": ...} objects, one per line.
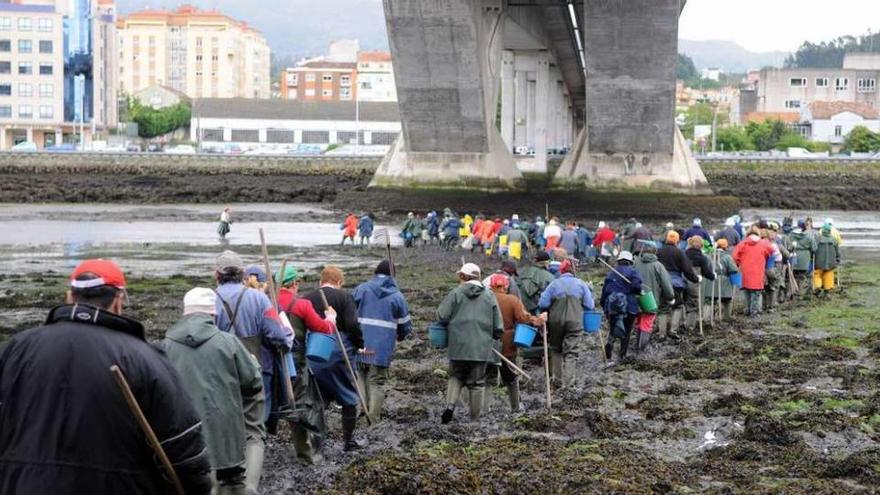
[{"x": 785, "y": 403}]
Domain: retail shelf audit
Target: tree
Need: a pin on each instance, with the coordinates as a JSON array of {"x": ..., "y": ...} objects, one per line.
[
  {"x": 862, "y": 140},
  {"x": 733, "y": 138},
  {"x": 154, "y": 122},
  {"x": 699, "y": 114},
  {"x": 830, "y": 54},
  {"x": 792, "y": 139},
  {"x": 766, "y": 135},
  {"x": 685, "y": 69}
]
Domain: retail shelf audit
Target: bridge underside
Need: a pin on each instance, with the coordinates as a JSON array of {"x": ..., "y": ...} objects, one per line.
[{"x": 480, "y": 79}]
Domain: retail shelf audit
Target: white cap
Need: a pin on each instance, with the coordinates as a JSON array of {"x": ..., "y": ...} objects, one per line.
[
  {"x": 829, "y": 221},
  {"x": 200, "y": 300},
  {"x": 515, "y": 217},
  {"x": 625, "y": 256},
  {"x": 730, "y": 222},
  {"x": 601, "y": 225},
  {"x": 670, "y": 225},
  {"x": 698, "y": 222},
  {"x": 471, "y": 270}
]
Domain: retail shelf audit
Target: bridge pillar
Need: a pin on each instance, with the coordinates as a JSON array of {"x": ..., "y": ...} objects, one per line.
[
  {"x": 447, "y": 63},
  {"x": 630, "y": 139},
  {"x": 508, "y": 98},
  {"x": 520, "y": 108}
]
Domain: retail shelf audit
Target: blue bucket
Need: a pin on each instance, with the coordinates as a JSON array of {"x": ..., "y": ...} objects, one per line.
[
  {"x": 592, "y": 321},
  {"x": 525, "y": 335},
  {"x": 439, "y": 335},
  {"x": 771, "y": 263},
  {"x": 320, "y": 346},
  {"x": 736, "y": 279}
]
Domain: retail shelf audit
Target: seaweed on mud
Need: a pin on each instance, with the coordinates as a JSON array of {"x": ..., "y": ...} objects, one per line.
[
  {"x": 662, "y": 409},
  {"x": 863, "y": 465},
  {"x": 726, "y": 405},
  {"x": 765, "y": 428},
  {"x": 522, "y": 464}
]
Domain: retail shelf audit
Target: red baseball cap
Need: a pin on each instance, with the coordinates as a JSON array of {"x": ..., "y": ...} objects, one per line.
[{"x": 108, "y": 273}]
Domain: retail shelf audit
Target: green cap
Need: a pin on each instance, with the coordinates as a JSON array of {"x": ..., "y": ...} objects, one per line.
[{"x": 290, "y": 274}]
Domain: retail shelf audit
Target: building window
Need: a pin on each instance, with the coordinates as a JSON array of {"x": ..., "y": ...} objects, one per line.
[
  {"x": 310, "y": 93},
  {"x": 199, "y": 42},
  {"x": 866, "y": 85},
  {"x": 44, "y": 25},
  {"x": 245, "y": 135},
  {"x": 26, "y": 90},
  {"x": 797, "y": 82},
  {"x": 345, "y": 80},
  {"x": 792, "y": 104},
  {"x": 47, "y": 90},
  {"x": 5, "y": 89},
  {"x": 292, "y": 79},
  {"x": 25, "y": 46},
  {"x": 152, "y": 42},
  {"x": 327, "y": 78},
  {"x": 344, "y": 93},
  {"x": 5, "y": 46},
  {"x": 838, "y": 131},
  {"x": 841, "y": 84},
  {"x": 5, "y": 111},
  {"x": 212, "y": 135},
  {"x": 5, "y": 24},
  {"x": 25, "y": 111},
  {"x": 310, "y": 77},
  {"x": 45, "y": 69},
  {"x": 821, "y": 82},
  {"x": 292, "y": 94},
  {"x": 5, "y": 67},
  {"x": 45, "y": 46},
  {"x": 198, "y": 58},
  {"x": 25, "y": 68},
  {"x": 25, "y": 24},
  {"x": 47, "y": 112},
  {"x": 327, "y": 93}
]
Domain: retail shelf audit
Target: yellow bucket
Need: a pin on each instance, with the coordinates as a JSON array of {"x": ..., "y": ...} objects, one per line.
[
  {"x": 515, "y": 250},
  {"x": 502, "y": 240}
]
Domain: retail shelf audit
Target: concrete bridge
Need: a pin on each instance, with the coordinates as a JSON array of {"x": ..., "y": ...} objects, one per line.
[{"x": 477, "y": 79}]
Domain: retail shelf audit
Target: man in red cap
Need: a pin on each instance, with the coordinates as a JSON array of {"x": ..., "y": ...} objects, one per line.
[{"x": 65, "y": 427}]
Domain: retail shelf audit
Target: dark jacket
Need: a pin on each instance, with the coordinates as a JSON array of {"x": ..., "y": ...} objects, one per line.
[
  {"x": 614, "y": 283},
  {"x": 65, "y": 427},
  {"x": 698, "y": 231},
  {"x": 346, "y": 311},
  {"x": 731, "y": 235},
  {"x": 222, "y": 378},
  {"x": 474, "y": 320},
  {"x": 700, "y": 262},
  {"x": 676, "y": 263}
]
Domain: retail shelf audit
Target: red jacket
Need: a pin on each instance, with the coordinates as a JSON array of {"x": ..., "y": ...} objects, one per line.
[
  {"x": 351, "y": 225},
  {"x": 751, "y": 257},
  {"x": 303, "y": 309},
  {"x": 604, "y": 235}
]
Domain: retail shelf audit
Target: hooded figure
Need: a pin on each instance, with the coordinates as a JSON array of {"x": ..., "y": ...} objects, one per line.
[
  {"x": 656, "y": 279},
  {"x": 365, "y": 229},
  {"x": 804, "y": 245},
  {"x": 751, "y": 257},
  {"x": 222, "y": 378},
  {"x": 827, "y": 260},
  {"x": 384, "y": 319},
  {"x": 619, "y": 302},
  {"x": 474, "y": 320}
]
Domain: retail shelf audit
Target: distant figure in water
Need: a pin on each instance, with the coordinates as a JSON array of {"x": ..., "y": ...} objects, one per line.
[{"x": 225, "y": 222}]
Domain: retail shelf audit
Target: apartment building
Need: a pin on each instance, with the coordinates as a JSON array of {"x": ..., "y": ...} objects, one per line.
[
  {"x": 375, "y": 76},
  {"x": 56, "y": 82},
  {"x": 197, "y": 52},
  {"x": 320, "y": 80}
]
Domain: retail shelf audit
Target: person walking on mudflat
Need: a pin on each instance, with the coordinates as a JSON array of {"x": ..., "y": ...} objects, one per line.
[{"x": 225, "y": 221}]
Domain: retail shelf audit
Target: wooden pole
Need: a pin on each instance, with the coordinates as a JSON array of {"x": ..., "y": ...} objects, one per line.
[
  {"x": 615, "y": 271},
  {"x": 700, "y": 305},
  {"x": 547, "y": 367},
  {"x": 715, "y": 269},
  {"x": 513, "y": 366},
  {"x": 147, "y": 429},
  {"x": 273, "y": 294},
  {"x": 354, "y": 380}
]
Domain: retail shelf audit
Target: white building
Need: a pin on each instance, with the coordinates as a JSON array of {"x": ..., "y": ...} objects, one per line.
[
  {"x": 344, "y": 51},
  {"x": 375, "y": 75},
  {"x": 712, "y": 74},
  {"x": 252, "y": 123},
  {"x": 832, "y": 121}
]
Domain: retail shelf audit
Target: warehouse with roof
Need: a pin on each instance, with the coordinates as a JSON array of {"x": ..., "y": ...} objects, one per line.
[{"x": 250, "y": 123}]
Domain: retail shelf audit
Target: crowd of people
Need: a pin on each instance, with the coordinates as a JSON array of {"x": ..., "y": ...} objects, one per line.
[{"x": 240, "y": 361}]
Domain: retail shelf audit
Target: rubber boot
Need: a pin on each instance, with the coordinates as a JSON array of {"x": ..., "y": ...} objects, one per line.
[
  {"x": 727, "y": 309},
  {"x": 453, "y": 392},
  {"x": 476, "y": 404},
  {"x": 568, "y": 371},
  {"x": 513, "y": 395},
  {"x": 349, "y": 421},
  {"x": 556, "y": 367},
  {"x": 675, "y": 323},
  {"x": 232, "y": 490},
  {"x": 255, "y": 441},
  {"x": 253, "y": 464},
  {"x": 662, "y": 326},
  {"x": 609, "y": 348},
  {"x": 644, "y": 340}
]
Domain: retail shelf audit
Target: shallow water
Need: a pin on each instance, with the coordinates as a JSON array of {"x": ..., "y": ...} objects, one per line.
[
  {"x": 161, "y": 240},
  {"x": 860, "y": 229}
]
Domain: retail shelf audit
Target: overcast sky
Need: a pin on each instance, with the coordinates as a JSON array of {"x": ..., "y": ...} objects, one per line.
[
  {"x": 769, "y": 25},
  {"x": 305, "y": 26}
]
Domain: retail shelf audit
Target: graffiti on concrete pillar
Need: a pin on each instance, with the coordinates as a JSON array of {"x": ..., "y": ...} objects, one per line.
[{"x": 629, "y": 164}]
